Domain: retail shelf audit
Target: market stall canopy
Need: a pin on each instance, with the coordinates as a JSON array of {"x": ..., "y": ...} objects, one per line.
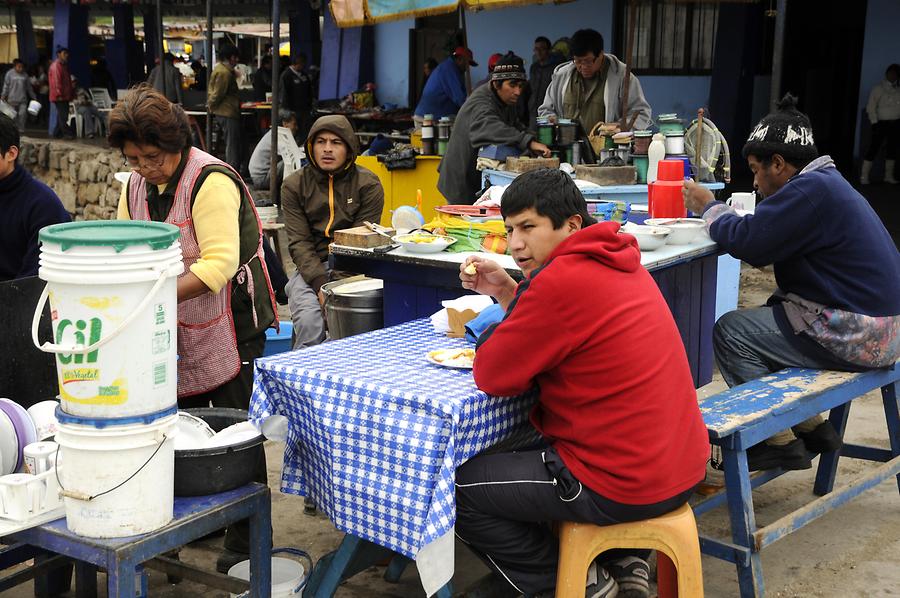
[{"x": 353, "y": 13}]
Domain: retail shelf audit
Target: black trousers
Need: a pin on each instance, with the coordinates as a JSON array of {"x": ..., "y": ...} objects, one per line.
[
  {"x": 885, "y": 130},
  {"x": 62, "y": 120},
  {"x": 505, "y": 503},
  {"x": 236, "y": 394}
]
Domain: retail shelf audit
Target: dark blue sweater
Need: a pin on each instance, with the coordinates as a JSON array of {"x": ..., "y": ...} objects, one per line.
[
  {"x": 825, "y": 241},
  {"x": 26, "y": 206}
]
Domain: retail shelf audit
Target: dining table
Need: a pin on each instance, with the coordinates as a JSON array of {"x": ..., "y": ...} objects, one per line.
[{"x": 374, "y": 434}]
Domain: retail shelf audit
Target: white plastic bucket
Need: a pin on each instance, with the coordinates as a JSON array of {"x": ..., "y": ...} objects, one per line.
[
  {"x": 117, "y": 481},
  {"x": 114, "y": 315},
  {"x": 34, "y": 107},
  {"x": 288, "y": 576}
]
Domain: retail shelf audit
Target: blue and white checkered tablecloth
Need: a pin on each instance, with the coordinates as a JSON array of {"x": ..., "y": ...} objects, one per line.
[{"x": 376, "y": 432}]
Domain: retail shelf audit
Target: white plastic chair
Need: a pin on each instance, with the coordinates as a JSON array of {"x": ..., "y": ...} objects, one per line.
[
  {"x": 79, "y": 120},
  {"x": 101, "y": 97},
  {"x": 290, "y": 152}
]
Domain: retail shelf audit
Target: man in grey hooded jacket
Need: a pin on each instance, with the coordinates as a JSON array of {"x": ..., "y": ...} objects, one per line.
[{"x": 590, "y": 88}]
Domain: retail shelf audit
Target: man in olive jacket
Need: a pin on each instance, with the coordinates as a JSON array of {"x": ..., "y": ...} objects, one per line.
[
  {"x": 330, "y": 193},
  {"x": 488, "y": 117},
  {"x": 224, "y": 103}
]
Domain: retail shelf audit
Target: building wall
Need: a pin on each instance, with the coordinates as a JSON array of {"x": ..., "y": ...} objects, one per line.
[{"x": 880, "y": 49}]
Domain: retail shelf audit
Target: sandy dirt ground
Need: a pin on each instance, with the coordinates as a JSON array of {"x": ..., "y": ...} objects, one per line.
[{"x": 851, "y": 552}]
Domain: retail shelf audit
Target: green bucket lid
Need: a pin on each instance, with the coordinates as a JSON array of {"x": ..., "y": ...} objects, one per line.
[{"x": 117, "y": 234}]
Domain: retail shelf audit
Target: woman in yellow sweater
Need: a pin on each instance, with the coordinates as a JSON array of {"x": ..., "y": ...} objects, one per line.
[{"x": 225, "y": 299}]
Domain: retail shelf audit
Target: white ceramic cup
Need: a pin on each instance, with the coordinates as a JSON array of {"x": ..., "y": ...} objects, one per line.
[
  {"x": 43, "y": 415},
  {"x": 40, "y": 456},
  {"x": 743, "y": 201}
]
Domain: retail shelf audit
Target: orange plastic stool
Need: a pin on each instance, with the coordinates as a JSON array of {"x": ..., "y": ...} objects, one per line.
[{"x": 673, "y": 536}]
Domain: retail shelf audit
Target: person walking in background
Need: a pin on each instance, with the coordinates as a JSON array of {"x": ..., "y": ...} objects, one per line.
[
  {"x": 17, "y": 91},
  {"x": 167, "y": 79},
  {"x": 296, "y": 93},
  {"x": 224, "y": 103},
  {"x": 539, "y": 76},
  {"x": 883, "y": 109},
  {"x": 62, "y": 91}
]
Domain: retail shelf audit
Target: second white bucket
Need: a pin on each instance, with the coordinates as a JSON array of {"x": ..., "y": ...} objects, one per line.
[
  {"x": 117, "y": 481},
  {"x": 112, "y": 287}
]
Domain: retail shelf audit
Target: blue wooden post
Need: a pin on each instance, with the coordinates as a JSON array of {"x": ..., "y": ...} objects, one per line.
[
  {"x": 70, "y": 30},
  {"x": 348, "y": 59},
  {"x": 124, "y": 54},
  {"x": 151, "y": 42},
  {"x": 304, "y": 28},
  {"x": 892, "y": 415},
  {"x": 828, "y": 462},
  {"x": 743, "y": 519},
  {"x": 25, "y": 36}
]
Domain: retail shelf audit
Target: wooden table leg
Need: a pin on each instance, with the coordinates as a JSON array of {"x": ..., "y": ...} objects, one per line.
[{"x": 743, "y": 520}]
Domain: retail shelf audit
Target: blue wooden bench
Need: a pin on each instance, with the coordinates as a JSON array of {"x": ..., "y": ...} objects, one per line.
[{"x": 748, "y": 414}]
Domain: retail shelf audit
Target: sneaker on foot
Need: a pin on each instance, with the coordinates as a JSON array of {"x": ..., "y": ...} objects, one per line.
[
  {"x": 600, "y": 583},
  {"x": 632, "y": 575},
  {"x": 822, "y": 439},
  {"x": 790, "y": 456}
]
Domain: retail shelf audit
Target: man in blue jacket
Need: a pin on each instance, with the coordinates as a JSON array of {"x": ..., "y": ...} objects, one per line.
[
  {"x": 837, "y": 305},
  {"x": 445, "y": 91},
  {"x": 26, "y": 206}
]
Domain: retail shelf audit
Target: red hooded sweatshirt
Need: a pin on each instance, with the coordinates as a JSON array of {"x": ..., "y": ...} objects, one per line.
[{"x": 592, "y": 331}]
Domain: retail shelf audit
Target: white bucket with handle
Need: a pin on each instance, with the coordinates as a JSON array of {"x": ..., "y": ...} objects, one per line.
[
  {"x": 288, "y": 576},
  {"x": 117, "y": 480},
  {"x": 34, "y": 107},
  {"x": 112, "y": 287}
]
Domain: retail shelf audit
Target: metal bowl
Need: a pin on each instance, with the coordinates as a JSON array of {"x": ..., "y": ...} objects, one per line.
[{"x": 199, "y": 472}]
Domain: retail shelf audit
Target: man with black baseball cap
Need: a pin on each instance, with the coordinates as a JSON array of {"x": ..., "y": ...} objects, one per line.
[
  {"x": 837, "y": 305},
  {"x": 488, "y": 117}
]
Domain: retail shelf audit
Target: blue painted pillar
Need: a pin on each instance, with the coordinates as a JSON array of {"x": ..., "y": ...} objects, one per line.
[
  {"x": 151, "y": 40},
  {"x": 348, "y": 59},
  {"x": 124, "y": 54},
  {"x": 25, "y": 37},
  {"x": 304, "y": 27},
  {"x": 70, "y": 30}
]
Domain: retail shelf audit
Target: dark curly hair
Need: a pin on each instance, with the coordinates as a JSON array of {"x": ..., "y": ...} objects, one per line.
[{"x": 145, "y": 117}]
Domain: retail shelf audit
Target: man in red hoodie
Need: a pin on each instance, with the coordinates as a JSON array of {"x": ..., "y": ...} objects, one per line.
[
  {"x": 617, "y": 410},
  {"x": 62, "y": 91}
]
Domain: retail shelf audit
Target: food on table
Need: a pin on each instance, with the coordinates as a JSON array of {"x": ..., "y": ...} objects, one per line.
[
  {"x": 421, "y": 238},
  {"x": 471, "y": 269},
  {"x": 461, "y": 358}
]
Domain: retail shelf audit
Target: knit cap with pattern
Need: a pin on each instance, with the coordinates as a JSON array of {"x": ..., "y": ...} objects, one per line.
[{"x": 786, "y": 131}]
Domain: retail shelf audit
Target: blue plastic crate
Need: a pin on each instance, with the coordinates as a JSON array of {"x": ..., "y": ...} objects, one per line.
[{"x": 278, "y": 342}]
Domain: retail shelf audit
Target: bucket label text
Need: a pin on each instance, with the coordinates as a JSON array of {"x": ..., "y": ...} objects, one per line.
[{"x": 78, "y": 328}]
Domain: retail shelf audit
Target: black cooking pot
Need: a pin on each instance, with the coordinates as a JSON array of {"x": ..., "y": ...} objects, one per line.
[{"x": 199, "y": 472}]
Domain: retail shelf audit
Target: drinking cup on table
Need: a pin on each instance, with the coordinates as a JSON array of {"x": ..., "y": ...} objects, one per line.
[
  {"x": 743, "y": 201},
  {"x": 40, "y": 456}
]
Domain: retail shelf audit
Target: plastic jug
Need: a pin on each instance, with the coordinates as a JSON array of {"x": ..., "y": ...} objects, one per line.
[
  {"x": 666, "y": 200},
  {"x": 655, "y": 153}
]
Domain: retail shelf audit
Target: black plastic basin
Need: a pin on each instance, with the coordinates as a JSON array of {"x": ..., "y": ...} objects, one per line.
[{"x": 199, "y": 472}]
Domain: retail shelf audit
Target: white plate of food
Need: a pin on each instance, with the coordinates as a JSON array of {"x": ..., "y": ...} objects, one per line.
[
  {"x": 462, "y": 359},
  {"x": 420, "y": 242}
]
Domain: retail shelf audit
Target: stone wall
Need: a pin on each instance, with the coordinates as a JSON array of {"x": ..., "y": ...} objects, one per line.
[{"x": 80, "y": 174}]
